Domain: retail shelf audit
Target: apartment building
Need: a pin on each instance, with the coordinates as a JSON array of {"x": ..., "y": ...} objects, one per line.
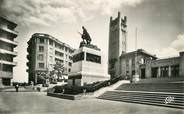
[
  {"x": 7, "y": 53},
  {"x": 43, "y": 52}
]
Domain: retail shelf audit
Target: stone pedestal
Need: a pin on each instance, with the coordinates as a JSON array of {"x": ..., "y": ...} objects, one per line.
[{"x": 88, "y": 66}]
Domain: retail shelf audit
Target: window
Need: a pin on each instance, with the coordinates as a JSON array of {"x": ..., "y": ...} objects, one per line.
[
  {"x": 50, "y": 66},
  {"x": 7, "y": 68},
  {"x": 41, "y": 65},
  {"x": 58, "y": 60},
  {"x": 51, "y": 59},
  {"x": 10, "y": 27},
  {"x": 1, "y": 67},
  {"x": 133, "y": 62},
  {"x": 127, "y": 63},
  {"x": 93, "y": 58},
  {"x": 42, "y": 40},
  {"x": 62, "y": 47},
  {"x": 51, "y": 42},
  {"x": 40, "y": 57},
  {"x": 57, "y": 45},
  {"x": 127, "y": 72},
  {"x": 133, "y": 72},
  {"x": 70, "y": 57},
  {"x": 41, "y": 49},
  {"x": 59, "y": 53},
  {"x": 70, "y": 64},
  {"x": 51, "y": 51},
  {"x": 70, "y": 51},
  {"x": 69, "y": 70},
  {"x": 142, "y": 61},
  {"x": 66, "y": 49}
]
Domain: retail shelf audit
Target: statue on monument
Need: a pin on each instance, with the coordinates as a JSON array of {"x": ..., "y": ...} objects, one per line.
[
  {"x": 85, "y": 36},
  {"x": 86, "y": 40}
]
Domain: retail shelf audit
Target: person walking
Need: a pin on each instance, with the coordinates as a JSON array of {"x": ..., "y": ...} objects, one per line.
[{"x": 17, "y": 87}]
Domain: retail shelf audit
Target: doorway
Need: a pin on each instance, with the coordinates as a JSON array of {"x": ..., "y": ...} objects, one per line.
[
  {"x": 143, "y": 73},
  {"x": 154, "y": 72}
]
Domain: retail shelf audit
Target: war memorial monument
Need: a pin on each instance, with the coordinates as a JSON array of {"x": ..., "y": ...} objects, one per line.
[{"x": 88, "y": 64}]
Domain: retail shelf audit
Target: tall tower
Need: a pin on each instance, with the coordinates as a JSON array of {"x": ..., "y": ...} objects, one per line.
[{"x": 117, "y": 43}]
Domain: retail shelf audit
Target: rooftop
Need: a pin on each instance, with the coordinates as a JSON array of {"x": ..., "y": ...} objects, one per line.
[
  {"x": 139, "y": 51},
  {"x": 4, "y": 18},
  {"x": 50, "y": 37}
]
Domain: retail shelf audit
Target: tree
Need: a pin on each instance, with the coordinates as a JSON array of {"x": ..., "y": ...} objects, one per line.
[
  {"x": 112, "y": 63},
  {"x": 53, "y": 77},
  {"x": 58, "y": 70},
  {"x": 41, "y": 79}
]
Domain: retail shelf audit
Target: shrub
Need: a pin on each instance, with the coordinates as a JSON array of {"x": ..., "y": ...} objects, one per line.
[{"x": 86, "y": 88}]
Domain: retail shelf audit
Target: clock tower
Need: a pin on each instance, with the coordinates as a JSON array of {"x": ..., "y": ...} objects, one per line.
[{"x": 117, "y": 43}]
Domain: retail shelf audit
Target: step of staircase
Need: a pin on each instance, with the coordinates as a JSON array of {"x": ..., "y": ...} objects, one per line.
[
  {"x": 148, "y": 93},
  {"x": 145, "y": 98},
  {"x": 162, "y": 80},
  {"x": 154, "y": 87}
]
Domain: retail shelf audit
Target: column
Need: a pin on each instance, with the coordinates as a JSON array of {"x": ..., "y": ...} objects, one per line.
[
  {"x": 85, "y": 56},
  {"x": 1, "y": 83},
  {"x": 169, "y": 72},
  {"x": 158, "y": 75}
]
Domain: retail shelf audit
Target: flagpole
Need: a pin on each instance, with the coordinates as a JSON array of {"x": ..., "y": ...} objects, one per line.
[{"x": 136, "y": 51}]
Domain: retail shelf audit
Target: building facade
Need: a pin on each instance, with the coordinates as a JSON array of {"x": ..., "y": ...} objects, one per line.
[
  {"x": 161, "y": 68},
  {"x": 7, "y": 53},
  {"x": 145, "y": 65},
  {"x": 130, "y": 62},
  {"x": 117, "y": 43},
  {"x": 43, "y": 52},
  {"x": 149, "y": 66}
]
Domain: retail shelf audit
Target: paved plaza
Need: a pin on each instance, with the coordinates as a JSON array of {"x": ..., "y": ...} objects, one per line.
[{"x": 39, "y": 103}]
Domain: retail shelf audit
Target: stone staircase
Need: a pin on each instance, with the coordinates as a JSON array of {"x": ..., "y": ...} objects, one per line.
[
  {"x": 153, "y": 87},
  {"x": 109, "y": 88},
  {"x": 162, "y": 80},
  {"x": 160, "y": 94}
]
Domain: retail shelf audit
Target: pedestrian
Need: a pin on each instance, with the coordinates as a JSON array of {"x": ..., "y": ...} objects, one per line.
[
  {"x": 32, "y": 85},
  {"x": 17, "y": 87}
]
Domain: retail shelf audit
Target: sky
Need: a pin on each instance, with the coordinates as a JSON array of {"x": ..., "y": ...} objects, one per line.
[{"x": 160, "y": 24}]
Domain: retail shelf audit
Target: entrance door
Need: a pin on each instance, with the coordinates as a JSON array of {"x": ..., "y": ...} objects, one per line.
[
  {"x": 154, "y": 72},
  {"x": 165, "y": 71},
  {"x": 6, "y": 81},
  {"x": 73, "y": 81},
  {"x": 143, "y": 73},
  {"x": 175, "y": 71}
]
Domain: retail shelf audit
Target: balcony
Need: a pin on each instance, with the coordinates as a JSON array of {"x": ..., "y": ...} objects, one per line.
[
  {"x": 28, "y": 57},
  {"x": 8, "y": 52},
  {"x": 28, "y": 64},
  {"x": 29, "y": 49},
  {"x": 9, "y": 31},
  {"x": 9, "y": 41},
  {"x": 4, "y": 74},
  {"x": 8, "y": 63}
]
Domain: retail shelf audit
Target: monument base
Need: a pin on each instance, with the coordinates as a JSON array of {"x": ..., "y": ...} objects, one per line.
[
  {"x": 82, "y": 78},
  {"x": 88, "y": 66}
]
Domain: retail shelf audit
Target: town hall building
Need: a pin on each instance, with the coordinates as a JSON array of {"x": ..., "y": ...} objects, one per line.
[{"x": 140, "y": 62}]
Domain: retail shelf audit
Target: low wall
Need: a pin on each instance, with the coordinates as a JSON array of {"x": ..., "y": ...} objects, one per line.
[
  {"x": 88, "y": 95},
  {"x": 70, "y": 97}
]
